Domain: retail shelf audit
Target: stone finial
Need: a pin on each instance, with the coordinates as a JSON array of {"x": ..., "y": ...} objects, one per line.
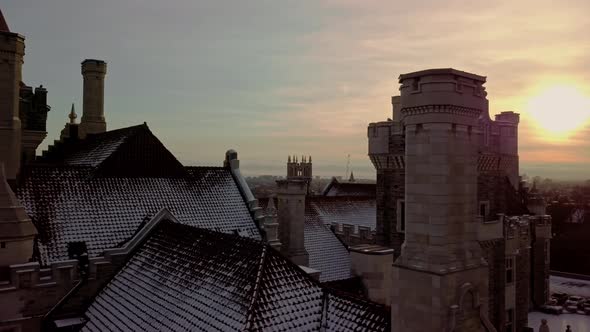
[
  {"x": 73, "y": 115},
  {"x": 289, "y": 159},
  {"x": 270, "y": 208},
  {"x": 310, "y": 158}
]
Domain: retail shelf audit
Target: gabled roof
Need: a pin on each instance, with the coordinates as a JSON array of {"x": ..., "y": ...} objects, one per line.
[
  {"x": 131, "y": 151},
  {"x": 326, "y": 252},
  {"x": 185, "y": 278},
  {"x": 337, "y": 188},
  {"x": 71, "y": 203}
]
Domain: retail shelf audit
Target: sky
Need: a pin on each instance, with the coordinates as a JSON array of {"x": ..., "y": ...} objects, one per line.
[{"x": 276, "y": 78}]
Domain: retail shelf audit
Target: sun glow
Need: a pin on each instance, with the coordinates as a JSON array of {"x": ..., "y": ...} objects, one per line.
[{"x": 559, "y": 111}]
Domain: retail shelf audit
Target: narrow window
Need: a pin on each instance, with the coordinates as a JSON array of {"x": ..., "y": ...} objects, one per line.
[
  {"x": 509, "y": 270},
  {"x": 484, "y": 209},
  {"x": 510, "y": 320},
  {"x": 401, "y": 216}
]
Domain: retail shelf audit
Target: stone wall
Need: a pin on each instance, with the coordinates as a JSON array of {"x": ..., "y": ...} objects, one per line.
[
  {"x": 493, "y": 252},
  {"x": 32, "y": 291},
  {"x": 373, "y": 264},
  {"x": 522, "y": 296},
  {"x": 352, "y": 235}
]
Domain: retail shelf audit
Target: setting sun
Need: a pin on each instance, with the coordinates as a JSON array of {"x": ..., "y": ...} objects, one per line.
[{"x": 560, "y": 111}]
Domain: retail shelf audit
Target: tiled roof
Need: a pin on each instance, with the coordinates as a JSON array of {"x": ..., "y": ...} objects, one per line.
[
  {"x": 185, "y": 278},
  {"x": 69, "y": 204},
  {"x": 91, "y": 151},
  {"x": 337, "y": 188},
  {"x": 130, "y": 152},
  {"x": 357, "y": 211},
  {"x": 326, "y": 252}
]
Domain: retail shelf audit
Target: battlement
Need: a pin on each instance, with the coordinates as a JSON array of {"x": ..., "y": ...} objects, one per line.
[
  {"x": 511, "y": 227},
  {"x": 353, "y": 234},
  {"x": 509, "y": 117},
  {"x": 299, "y": 169},
  {"x": 94, "y": 66},
  {"x": 443, "y": 87},
  {"x": 44, "y": 287},
  {"x": 12, "y": 43}
]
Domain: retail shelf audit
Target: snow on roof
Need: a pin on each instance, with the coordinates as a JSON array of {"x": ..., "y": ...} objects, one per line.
[
  {"x": 186, "y": 278},
  {"x": 69, "y": 204}
]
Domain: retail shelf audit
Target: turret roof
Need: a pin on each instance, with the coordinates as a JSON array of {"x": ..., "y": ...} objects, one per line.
[{"x": 3, "y": 25}]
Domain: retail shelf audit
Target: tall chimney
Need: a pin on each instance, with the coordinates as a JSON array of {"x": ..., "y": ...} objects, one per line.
[{"x": 93, "y": 121}]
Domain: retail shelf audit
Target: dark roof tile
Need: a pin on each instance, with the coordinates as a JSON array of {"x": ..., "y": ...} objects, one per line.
[
  {"x": 72, "y": 204},
  {"x": 185, "y": 278}
]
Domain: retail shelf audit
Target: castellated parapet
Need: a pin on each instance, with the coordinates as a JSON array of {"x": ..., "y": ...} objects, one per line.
[{"x": 93, "y": 120}]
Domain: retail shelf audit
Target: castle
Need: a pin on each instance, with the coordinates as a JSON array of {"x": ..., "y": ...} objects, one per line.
[
  {"x": 108, "y": 230},
  {"x": 104, "y": 215},
  {"x": 468, "y": 255},
  {"x": 470, "y": 246}
]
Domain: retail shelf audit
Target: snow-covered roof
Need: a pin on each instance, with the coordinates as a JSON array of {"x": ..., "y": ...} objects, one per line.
[
  {"x": 357, "y": 211},
  {"x": 359, "y": 189},
  {"x": 99, "y": 191},
  {"x": 186, "y": 278}
]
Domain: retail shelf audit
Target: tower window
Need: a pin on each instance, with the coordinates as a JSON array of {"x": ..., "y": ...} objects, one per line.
[
  {"x": 401, "y": 216},
  {"x": 509, "y": 270},
  {"x": 484, "y": 209}
]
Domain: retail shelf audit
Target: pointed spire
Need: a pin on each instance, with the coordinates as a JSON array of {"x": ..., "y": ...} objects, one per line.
[
  {"x": 351, "y": 179},
  {"x": 3, "y": 24},
  {"x": 310, "y": 158},
  {"x": 289, "y": 159},
  {"x": 73, "y": 115}
]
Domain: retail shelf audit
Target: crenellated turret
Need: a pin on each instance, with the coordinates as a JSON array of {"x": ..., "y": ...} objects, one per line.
[{"x": 441, "y": 269}]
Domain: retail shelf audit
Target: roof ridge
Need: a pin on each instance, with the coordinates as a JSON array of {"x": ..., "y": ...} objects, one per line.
[
  {"x": 204, "y": 167},
  {"x": 256, "y": 292}
]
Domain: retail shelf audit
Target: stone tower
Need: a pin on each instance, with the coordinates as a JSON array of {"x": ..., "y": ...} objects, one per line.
[
  {"x": 440, "y": 280},
  {"x": 17, "y": 232},
  {"x": 507, "y": 123},
  {"x": 291, "y": 209},
  {"x": 387, "y": 153},
  {"x": 93, "y": 121},
  {"x": 12, "y": 51}
]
